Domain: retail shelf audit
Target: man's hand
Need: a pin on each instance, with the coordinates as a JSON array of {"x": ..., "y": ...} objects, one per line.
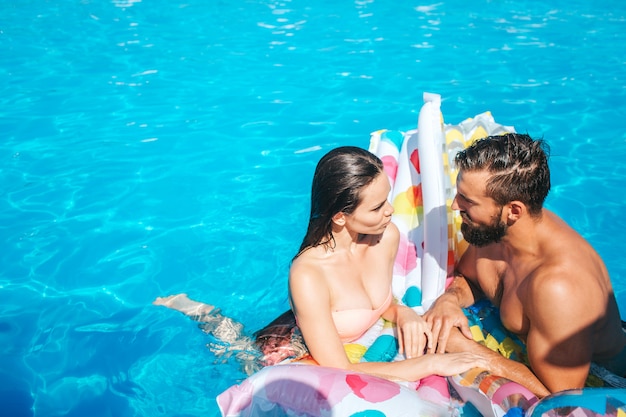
[{"x": 442, "y": 316}]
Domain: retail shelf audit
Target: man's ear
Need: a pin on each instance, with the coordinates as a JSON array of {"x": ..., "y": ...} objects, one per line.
[
  {"x": 339, "y": 219},
  {"x": 515, "y": 210}
]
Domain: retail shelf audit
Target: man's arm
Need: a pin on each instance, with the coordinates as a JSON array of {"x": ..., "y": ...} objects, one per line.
[
  {"x": 446, "y": 312},
  {"x": 498, "y": 364}
]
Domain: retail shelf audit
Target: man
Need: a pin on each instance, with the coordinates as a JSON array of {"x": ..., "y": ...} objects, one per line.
[{"x": 551, "y": 287}]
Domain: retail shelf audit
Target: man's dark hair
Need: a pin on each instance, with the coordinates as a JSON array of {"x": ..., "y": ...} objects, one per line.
[{"x": 518, "y": 166}]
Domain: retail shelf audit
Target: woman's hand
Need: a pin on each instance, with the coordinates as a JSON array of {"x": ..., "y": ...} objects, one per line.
[{"x": 414, "y": 335}]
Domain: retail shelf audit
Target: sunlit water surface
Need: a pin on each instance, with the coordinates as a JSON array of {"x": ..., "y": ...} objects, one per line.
[{"x": 158, "y": 147}]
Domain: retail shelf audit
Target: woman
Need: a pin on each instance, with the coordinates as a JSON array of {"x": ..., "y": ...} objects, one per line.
[{"x": 340, "y": 281}]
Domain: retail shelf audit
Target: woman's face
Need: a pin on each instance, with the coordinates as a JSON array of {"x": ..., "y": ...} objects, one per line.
[{"x": 373, "y": 214}]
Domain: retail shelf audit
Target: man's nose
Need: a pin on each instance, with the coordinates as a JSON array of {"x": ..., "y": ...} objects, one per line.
[{"x": 455, "y": 204}]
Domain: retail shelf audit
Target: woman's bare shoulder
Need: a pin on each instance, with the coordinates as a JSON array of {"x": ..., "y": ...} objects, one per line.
[
  {"x": 390, "y": 237},
  {"x": 306, "y": 267},
  {"x": 308, "y": 286},
  {"x": 392, "y": 232}
]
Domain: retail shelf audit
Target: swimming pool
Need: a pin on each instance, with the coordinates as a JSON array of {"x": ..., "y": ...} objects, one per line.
[{"x": 151, "y": 148}]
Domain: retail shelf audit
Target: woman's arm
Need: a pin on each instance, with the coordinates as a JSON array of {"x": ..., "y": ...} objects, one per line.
[
  {"x": 414, "y": 334},
  {"x": 311, "y": 303},
  {"x": 310, "y": 298}
]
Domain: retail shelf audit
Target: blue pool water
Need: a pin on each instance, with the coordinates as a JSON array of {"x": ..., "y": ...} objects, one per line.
[{"x": 157, "y": 147}]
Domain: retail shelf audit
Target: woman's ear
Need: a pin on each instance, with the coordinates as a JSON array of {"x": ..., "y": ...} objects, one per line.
[{"x": 339, "y": 219}]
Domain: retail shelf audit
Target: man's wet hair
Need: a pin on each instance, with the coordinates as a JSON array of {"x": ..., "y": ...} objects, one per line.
[{"x": 518, "y": 165}]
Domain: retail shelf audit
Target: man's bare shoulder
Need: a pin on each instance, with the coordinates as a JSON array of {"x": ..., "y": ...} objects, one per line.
[
  {"x": 568, "y": 284},
  {"x": 563, "y": 251},
  {"x": 568, "y": 265},
  {"x": 560, "y": 238}
]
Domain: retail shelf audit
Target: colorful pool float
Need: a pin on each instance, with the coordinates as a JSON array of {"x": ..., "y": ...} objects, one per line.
[{"x": 309, "y": 390}]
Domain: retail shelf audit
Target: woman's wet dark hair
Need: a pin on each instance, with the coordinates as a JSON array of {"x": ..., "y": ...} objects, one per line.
[{"x": 339, "y": 178}]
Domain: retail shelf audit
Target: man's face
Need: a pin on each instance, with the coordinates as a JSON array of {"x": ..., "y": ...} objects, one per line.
[
  {"x": 483, "y": 234},
  {"x": 482, "y": 217}
]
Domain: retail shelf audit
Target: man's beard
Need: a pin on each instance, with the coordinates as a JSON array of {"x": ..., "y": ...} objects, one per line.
[{"x": 480, "y": 235}]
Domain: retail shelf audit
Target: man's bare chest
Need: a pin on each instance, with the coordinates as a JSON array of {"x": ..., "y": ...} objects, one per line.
[{"x": 507, "y": 292}]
